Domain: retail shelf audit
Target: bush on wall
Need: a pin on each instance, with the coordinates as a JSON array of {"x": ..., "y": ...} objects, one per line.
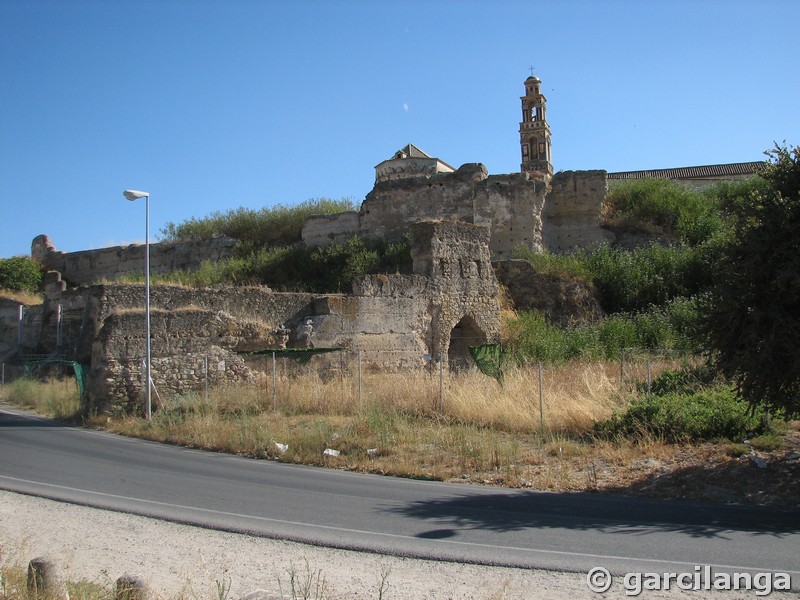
[{"x": 20, "y": 274}]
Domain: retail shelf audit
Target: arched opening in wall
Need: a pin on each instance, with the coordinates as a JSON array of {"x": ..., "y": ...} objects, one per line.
[{"x": 466, "y": 333}]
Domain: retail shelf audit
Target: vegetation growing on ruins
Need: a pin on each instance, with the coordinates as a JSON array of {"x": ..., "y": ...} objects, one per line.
[
  {"x": 668, "y": 327},
  {"x": 659, "y": 207},
  {"x": 20, "y": 274},
  {"x": 268, "y": 251},
  {"x": 275, "y": 226},
  {"x": 329, "y": 269},
  {"x": 728, "y": 283}
]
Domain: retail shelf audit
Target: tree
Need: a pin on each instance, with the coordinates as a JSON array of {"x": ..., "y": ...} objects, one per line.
[
  {"x": 751, "y": 315},
  {"x": 20, "y": 274}
]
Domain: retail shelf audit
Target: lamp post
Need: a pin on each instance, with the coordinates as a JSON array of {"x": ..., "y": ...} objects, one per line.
[{"x": 137, "y": 195}]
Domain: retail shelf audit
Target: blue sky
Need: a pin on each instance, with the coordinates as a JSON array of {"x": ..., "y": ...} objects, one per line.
[{"x": 211, "y": 105}]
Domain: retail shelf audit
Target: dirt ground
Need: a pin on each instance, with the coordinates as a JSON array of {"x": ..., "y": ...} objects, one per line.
[{"x": 702, "y": 472}]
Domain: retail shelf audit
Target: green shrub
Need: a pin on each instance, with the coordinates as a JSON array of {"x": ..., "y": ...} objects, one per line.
[
  {"x": 561, "y": 265},
  {"x": 616, "y": 333},
  {"x": 530, "y": 336},
  {"x": 768, "y": 442},
  {"x": 684, "y": 381},
  {"x": 629, "y": 281},
  {"x": 659, "y": 206},
  {"x": 276, "y": 225},
  {"x": 708, "y": 413},
  {"x": 732, "y": 196},
  {"x": 295, "y": 268},
  {"x": 20, "y": 274}
]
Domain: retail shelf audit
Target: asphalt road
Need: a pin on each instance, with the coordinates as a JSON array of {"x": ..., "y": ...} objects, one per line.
[{"x": 570, "y": 532}]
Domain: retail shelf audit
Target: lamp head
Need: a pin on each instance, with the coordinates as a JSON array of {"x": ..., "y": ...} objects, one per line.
[{"x": 135, "y": 194}]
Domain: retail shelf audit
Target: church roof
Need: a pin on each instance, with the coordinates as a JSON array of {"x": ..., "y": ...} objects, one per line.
[
  {"x": 726, "y": 170},
  {"x": 410, "y": 151}
]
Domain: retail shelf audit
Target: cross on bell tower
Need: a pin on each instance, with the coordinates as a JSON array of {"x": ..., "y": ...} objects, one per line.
[{"x": 534, "y": 132}]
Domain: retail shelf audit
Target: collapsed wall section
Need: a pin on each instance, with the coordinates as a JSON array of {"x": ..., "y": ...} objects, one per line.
[{"x": 511, "y": 206}]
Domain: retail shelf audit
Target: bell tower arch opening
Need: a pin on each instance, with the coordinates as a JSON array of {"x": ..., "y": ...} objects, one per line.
[
  {"x": 534, "y": 132},
  {"x": 466, "y": 333}
]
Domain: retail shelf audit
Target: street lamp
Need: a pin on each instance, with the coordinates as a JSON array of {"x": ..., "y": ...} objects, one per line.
[{"x": 137, "y": 195}]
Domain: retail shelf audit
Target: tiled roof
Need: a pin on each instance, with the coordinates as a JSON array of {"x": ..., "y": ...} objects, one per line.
[
  {"x": 411, "y": 151},
  {"x": 728, "y": 170}
]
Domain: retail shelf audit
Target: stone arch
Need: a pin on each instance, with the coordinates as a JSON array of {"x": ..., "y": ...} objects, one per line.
[{"x": 464, "y": 334}]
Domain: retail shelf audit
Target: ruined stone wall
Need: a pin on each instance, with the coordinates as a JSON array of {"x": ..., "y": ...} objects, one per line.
[
  {"x": 392, "y": 207},
  {"x": 93, "y": 266},
  {"x": 183, "y": 344},
  {"x": 10, "y": 328},
  {"x": 465, "y": 309},
  {"x": 323, "y": 230},
  {"x": 510, "y": 205},
  {"x": 571, "y": 216},
  {"x": 403, "y": 321},
  {"x": 391, "y": 328},
  {"x": 187, "y": 326},
  {"x": 85, "y": 309},
  {"x": 397, "y": 321}
]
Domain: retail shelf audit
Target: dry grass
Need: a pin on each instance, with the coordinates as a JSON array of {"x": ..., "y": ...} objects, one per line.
[
  {"x": 477, "y": 430},
  {"x": 26, "y": 298},
  {"x": 58, "y": 398}
]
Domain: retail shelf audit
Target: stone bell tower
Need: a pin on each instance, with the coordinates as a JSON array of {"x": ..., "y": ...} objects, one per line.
[{"x": 534, "y": 132}]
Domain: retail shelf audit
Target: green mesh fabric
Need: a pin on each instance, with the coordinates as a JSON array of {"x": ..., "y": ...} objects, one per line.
[
  {"x": 489, "y": 358},
  {"x": 299, "y": 355},
  {"x": 32, "y": 366}
]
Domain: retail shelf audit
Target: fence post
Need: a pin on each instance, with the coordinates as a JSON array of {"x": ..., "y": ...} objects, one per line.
[
  {"x": 541, "y": 400},
  {"x": 622, "y": 365},
  {"x": 441, "y": 383},
  {"x": 205, "y": 374},
  {"x": 359, "y": 380},
  {"x": 274, "y": 377},
  {"x": 21, "y": 325},
  {"x": 649, "y": 378},
  {"x": 59, "y": 325}
]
